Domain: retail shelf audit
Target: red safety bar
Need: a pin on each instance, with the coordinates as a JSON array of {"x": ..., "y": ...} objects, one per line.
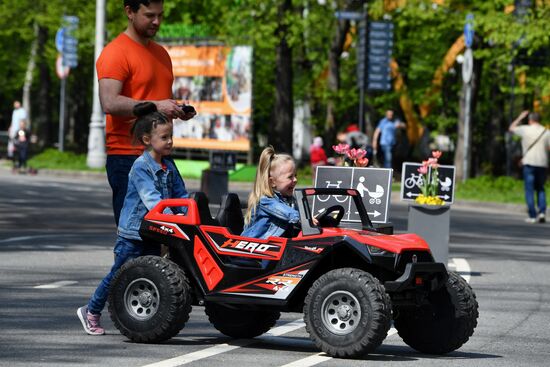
[{"x": 190, "y": 218}]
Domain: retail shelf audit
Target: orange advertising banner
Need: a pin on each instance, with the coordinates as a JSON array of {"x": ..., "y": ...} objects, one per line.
[{"x": 217, "y": 81}]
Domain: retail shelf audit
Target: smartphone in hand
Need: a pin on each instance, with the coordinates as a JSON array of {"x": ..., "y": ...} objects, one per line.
[{"x": 188, "y": 109}]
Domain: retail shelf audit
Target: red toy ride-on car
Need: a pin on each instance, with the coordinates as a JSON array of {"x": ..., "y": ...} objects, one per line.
[{"x": 349, "y": 280}]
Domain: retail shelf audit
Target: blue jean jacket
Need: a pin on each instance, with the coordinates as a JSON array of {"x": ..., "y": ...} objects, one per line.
[
  {"x": 271, "y": 217},
  {"x": 148, "y": 183}
]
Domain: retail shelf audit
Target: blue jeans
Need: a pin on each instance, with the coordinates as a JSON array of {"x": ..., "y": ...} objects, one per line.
[
  {"x": 125, "y": 250},
  {"x": 534, "y": 179},
  {"x": 118, "y": 167},
  {"x": 387, "y": 150}
]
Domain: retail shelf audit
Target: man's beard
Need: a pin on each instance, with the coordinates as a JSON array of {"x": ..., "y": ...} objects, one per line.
[{"x": 146, "y": 32}]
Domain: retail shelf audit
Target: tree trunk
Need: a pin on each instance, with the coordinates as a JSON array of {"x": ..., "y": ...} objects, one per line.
[
  {"x": 29, "y": 76},
  {"x": 44, "y": 127},
  {"x": 496, "y": 153},
  {"x": 281, "y": 131},
  {"x": 333, "y": 82}
]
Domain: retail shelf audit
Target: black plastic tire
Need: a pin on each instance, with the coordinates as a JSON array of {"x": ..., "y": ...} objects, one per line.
[
  {"x": 149, "y": 299},
  {"x": 238, "y": 322},
  {"x": 445, "y": 324},
  {"x": 347, "y": 313}
]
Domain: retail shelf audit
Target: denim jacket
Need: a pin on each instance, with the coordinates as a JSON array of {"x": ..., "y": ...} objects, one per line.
[
  {"x": 148, "y": 183},
  {"x": 271, "y": 217}
]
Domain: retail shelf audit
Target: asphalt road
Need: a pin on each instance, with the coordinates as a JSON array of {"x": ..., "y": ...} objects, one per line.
[{"x": 56, "y": 239}]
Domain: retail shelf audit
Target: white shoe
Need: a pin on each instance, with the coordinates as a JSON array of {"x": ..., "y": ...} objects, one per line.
[
  {"x": 541, "y": 218},
  {"x": 531, "y": 220}
]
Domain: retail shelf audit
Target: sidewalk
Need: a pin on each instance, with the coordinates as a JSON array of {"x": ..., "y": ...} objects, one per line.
[{"x": 488, "y": 207}]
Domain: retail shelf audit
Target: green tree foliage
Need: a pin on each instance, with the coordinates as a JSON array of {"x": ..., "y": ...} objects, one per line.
[{"x": 424, "y": 32}]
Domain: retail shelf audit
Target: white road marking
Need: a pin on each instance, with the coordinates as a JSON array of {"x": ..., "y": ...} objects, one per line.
[
  {"x": 286, "y": 328},
  {"x": 31, "y": 192},
  {"x": 201, "y": 354},
  {"x": 463, "y": 268},
  {"x": 309, "y": 361},
  {"x": 27, "y": 238},
  {"x": 59, "y": 284},
  {"x": 226, "y": 347}
]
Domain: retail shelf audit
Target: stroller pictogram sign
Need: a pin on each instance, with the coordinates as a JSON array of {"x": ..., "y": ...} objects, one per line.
[{"x": 373, "y": 185}]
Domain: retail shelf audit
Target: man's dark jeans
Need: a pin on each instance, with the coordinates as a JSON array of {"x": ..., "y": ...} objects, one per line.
[
  {"x": 118, "y": 167},
  {"x": 534, "y": 179}
]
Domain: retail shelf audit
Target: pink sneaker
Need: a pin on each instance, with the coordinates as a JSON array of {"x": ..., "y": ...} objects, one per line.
[{"x": 89, "y": 321}]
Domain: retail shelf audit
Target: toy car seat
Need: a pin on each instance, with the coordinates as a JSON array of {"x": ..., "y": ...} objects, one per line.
[
  {"x": 204, "y": 209},
  {"x": 230, "y": 214}
]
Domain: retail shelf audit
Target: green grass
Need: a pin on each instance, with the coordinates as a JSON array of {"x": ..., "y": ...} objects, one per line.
[
  {"x": 484, "y": 188},
  {"x": 54, "y": 159},
  {"x": 493, "y": 189},
  {"x": 193, "y": 169}
]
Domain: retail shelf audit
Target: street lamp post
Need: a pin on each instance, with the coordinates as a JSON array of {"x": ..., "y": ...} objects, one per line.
[{"x": 96, "y": 136}]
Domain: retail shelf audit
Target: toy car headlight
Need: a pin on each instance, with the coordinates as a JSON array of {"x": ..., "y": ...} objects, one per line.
[{"x": 377, "y": 251}]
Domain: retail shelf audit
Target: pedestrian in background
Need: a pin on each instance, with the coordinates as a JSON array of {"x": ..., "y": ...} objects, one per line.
[
  {"x": 356, "y": 139},
  {"x": 535, "y": 144},
  {"x": 386, "y": 131},
  {"x": 17, "y": 115},
  {"x": 152, "y": 178},
  {"x": 317, "y": 155},
  {"x": 21, "y": 143},
  {"x": 131, "y": 69}
]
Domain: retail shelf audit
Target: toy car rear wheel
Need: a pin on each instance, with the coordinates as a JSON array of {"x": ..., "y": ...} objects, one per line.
[
  {"x": 149, "y": 299},
  {"x": 238, "y": 322},
  {"x": 443, "y": 325},
  {"x": 347, "y": 313}
]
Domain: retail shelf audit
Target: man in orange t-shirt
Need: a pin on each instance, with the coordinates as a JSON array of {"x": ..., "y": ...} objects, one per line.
[{"x": 131, "y": 69}]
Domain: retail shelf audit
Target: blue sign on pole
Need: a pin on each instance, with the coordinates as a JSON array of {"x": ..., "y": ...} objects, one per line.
[
  {"x": 59, "y": 36},
  {"x": 68, "y": 41},
  {"x": 380, "y": 44},
  {"x": 349, "y": 15},
  {"x": 469, "y": 30}
]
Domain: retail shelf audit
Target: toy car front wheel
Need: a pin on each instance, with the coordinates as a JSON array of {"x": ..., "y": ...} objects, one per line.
[
  {"x": 238, "y": 322},
  {"x": 149, "y": 299},
  {"x": 443, "y": 325},
  {"x": 347, "y": 313}
]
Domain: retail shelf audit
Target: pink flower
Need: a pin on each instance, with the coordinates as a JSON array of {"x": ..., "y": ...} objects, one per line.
[
  {"x": 341, "y": 148},
  {"x": 432, "y": 162},
  {"x": 423, "y": 169},
  {"x": 436, "y": 154},
  {"x": 362, "y": 162},
  {"x": 354, "y": 154}
]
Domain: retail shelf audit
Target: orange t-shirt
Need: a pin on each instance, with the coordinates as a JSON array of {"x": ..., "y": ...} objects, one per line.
[{"x": 145, "y": 73}]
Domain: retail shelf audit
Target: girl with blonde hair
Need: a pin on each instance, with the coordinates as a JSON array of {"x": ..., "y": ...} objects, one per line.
[{"x": 271, "y": 207}]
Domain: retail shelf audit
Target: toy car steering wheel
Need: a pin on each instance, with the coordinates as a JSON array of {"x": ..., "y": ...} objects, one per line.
[{"x": 328, "y": 220}]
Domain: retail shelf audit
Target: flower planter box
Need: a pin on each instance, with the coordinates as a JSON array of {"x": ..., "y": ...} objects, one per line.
[{"x": 432, "y": 223}]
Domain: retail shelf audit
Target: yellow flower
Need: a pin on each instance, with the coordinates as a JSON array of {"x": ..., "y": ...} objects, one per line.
[{"x": 429, "y": 200}]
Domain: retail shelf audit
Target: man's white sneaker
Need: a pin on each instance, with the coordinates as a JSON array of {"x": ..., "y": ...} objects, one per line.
[
  {"x": 541, "y": 218},
  {"x": 531, "y": 220}
]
